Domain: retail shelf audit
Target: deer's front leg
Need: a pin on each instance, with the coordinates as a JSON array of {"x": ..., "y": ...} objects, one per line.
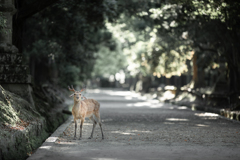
[
  {"x": 75, "y": 129},
  {"x": 81, "y": 125}
]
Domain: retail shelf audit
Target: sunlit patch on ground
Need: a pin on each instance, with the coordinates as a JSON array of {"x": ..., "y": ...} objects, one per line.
[
  {"x": 128, "y": 95},
  {"x": 176, "y": 119},
  {"x": 133, "y": 133},
  {"x": 148, "y": 104},
  {"x": 167, "y": 95},
  {"x": 124, "y": 133},
  {"x": 150, "y": 122},
  {"x": 207, "y": 115},
  {"x": 51, "y": 139},
  {"x": 182, "y": 107},
  {"x": 202, "y": 125},
  {"x": 45, "y": 147}
]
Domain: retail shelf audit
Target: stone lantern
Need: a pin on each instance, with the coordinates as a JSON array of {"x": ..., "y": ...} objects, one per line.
[{"x": 14, "y": 75}]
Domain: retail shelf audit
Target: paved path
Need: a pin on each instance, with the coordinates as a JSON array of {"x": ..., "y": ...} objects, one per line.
[{"x": 136, "y": 128}]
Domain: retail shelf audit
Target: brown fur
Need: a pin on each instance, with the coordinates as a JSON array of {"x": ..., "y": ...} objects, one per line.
[{"x": 85, "y": 108}]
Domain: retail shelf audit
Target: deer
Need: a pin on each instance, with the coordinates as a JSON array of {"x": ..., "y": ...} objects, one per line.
[{"x": 85, "y": 108}]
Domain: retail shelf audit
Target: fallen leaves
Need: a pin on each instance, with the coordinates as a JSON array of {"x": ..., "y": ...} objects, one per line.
[
  {"x": 19, "y": 126},
  {"x": 23, "y": 123},
  {"x": 29, "y": 154}
]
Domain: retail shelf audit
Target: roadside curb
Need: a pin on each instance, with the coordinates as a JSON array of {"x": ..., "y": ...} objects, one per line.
[
  {"x": 223, "y": 114},
  {"x": 49, "y": 142},
  {"x": 61, "y": 128}
]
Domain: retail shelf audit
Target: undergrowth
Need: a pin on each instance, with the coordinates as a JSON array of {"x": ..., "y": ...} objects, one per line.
[{"x": 14, "y": 109}]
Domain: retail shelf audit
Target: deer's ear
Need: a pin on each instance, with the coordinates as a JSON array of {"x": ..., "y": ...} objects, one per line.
[{"x": 71, "y": 95}]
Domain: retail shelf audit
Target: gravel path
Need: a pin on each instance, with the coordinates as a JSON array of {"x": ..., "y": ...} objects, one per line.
[{"x": 139, "y": 128}]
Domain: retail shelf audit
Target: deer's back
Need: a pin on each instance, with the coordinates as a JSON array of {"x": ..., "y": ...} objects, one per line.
[{"x": 92, "y": 106}]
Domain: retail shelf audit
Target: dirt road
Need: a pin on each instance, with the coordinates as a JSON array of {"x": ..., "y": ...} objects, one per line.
[{"x": 140, "y": 128}]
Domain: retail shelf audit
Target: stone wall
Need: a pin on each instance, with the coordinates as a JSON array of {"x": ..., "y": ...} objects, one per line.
[{"x": 24, "y": 127}]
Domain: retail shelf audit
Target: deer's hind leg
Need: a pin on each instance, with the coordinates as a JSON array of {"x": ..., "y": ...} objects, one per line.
[
  {"x": 97, "y": 115},
  {"x": 81, "y": 125},
  {"x": 94, "y": 125}
]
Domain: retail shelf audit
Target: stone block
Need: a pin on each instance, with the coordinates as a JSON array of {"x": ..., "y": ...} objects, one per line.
[{"x": 7, "y": 58}]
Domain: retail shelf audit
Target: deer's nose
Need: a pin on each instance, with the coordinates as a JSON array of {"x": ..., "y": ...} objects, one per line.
[{"x": 77, "y": 97}]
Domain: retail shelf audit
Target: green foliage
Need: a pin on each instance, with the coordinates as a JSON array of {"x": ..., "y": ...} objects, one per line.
[
  {"x": 92, "y": 38},
  {"x": 108, "y": 62},
  {"x": 67, "y": 34},
  {"x": 149, "y": 39},
  {"x": 69, "y": 75}
]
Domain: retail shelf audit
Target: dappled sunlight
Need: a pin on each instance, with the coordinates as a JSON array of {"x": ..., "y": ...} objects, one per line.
[
  {"x": 170, "y": 87},
  {"x": 182, "y": 107},
  {"x": 149, "y": 104},
  {"x": 85, "y": 122},
  {"x": 124, "y": 133},
  {"x": 186, "y": 96},
  {"x": 135, "y": 99},
  {"x": 167, "y": 95},
  {"x": 51, "y": 139},
  {"x": 207, "y": 115},
  {"x": 68, "y": 143},
  {"x": 178, "y": 107},
  {"x": 139, "y": 104},
  {"x": 141, "y": 131},
  {"x": 93, "y": 90},
  {"x": 131, "y": 132},
  {"x": 118, "y": 93},
  {"x": 112, "y": 92},
  {"x": 176, "y": 119},
  {"x": 202, "y": 125},
  {"x": 128, "y": 98},
  {"x": 45, "y": 147}
]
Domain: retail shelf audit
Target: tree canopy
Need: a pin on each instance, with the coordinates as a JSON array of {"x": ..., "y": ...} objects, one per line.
[{"x": 158, "y": 38}]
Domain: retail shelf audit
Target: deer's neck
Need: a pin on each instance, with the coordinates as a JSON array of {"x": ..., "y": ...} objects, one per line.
[{"x": 77, "y": 103}]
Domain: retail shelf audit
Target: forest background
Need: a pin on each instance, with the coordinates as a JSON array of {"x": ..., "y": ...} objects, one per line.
[{"x": 109, "y": 43}]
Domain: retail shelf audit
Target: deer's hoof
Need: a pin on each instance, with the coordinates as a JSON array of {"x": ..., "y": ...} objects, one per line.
[
  {"x": 90, "y": 138},
  {"x": 79, "y": 138},
  {"x": 74, "y": 138}
]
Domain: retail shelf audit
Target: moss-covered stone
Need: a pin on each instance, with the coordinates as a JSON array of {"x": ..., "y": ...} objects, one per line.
[{"x": 23, "y": 127}]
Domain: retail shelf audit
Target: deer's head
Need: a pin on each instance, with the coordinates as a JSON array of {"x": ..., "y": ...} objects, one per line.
[{"x": 77, "y": 95}]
